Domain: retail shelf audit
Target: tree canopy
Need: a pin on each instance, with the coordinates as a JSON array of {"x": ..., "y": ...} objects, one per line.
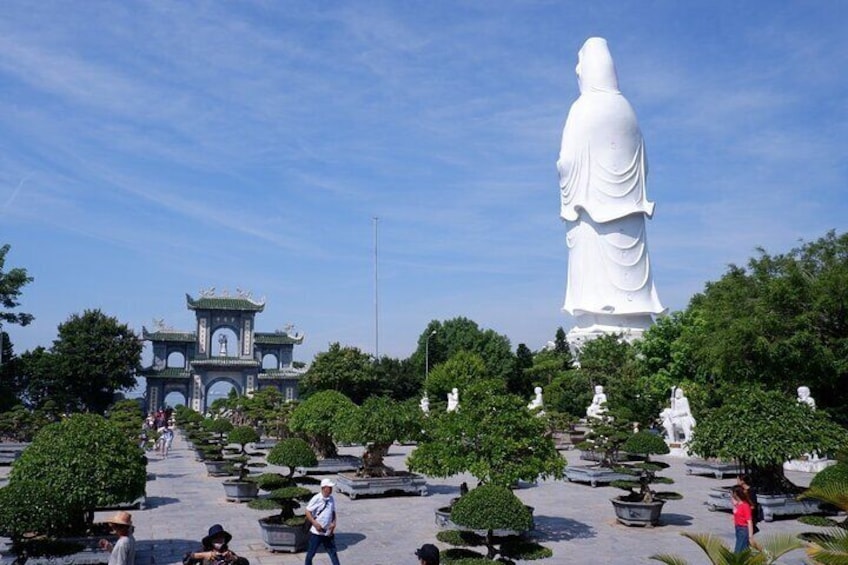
[{"x": 11, "y": 283}]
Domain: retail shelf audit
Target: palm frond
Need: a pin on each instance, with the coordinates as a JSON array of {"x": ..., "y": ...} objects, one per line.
[
  {"x": 669, "y": 559},
  {"x": 833, "y": 493},
  {"x": 712, "y": 545},
  {"x": 830, "y": 548}
]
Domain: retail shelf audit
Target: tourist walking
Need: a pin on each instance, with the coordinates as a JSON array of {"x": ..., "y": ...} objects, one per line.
[
  {"x": 744, "y": 481},
  {"x": 123, "y": 550},
  {"x": 321, "y": 513},
  {"x": 743, "y": 520}
]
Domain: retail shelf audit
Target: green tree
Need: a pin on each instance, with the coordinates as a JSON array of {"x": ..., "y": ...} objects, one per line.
[
  {"x": 94, "y": 356},
  {"x": 521, "y": 382},
  {"x": 377, "y": 424},
  {"x": 318, "y": 418},
  {"x": 397, "y": 378},
  {"x": 763, "y": 429},
  {"x": 343, "y": 369},
  {"x": 492, "y": 436},
  {"x": 779, "y": 321},
  {"x": 462, "y": 334},
  {"x": 460, "y": 371},
  {"x": 11, "y": 283}
]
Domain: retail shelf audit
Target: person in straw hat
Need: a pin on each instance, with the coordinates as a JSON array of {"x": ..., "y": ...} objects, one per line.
[{"x": 123, "y": 550}]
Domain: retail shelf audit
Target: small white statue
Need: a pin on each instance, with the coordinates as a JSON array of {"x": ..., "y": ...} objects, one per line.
[
  {"x": 222, "y": 341},
  {"x": 453, "y": 400},
  {"x": 598, "y": 407},
  {"x": 805, "y": 398},
  {"x": 425, "y": 404},
  {"x": 537, "y": 400},
  {"x": 677, "y": 420}
]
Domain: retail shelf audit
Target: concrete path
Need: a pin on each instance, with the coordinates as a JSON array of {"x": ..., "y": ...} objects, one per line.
[{"x": 576, "y": 521}]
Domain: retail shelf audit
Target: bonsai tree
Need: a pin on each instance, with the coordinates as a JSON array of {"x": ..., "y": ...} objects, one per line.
[
  {"x": 126, "y": 415},
  {"x": 773, "y": 546},
  {"x": 72, "y": 467},
  {"x": 378, "y": 423},
  {"x": 317, "y": 419},
  {"x": 607, "y": 435},
  {"x": 763, "y": 429},
  {"x": 489, "y": 508},
  {"x": 492, "y": 436},
  {"x": 285, "y": 492},
  {"x": 219, "y": 427},
  {"x": 242, "y": 435},
  {"x": 645, "y": 472}
]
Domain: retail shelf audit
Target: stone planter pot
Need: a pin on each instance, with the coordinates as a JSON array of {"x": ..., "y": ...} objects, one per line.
[
  {"x": 637, "y": 513},
  {"x": 718, "y": 469},
  {"x": 218, "y": 468},
  {"x": 444, "y": 522},
  {"x": 594, "y": 475},
  {"x": 280, "y": 537},
  {"x": 718, "y": 498},
  {"x": 240, "y": 491},
  {"x": 332, "y": 465},
  {"x": 402, "y": 482}
]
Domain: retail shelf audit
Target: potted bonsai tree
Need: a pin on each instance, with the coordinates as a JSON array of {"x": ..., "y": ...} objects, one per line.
[
  {"x": 603, "y": 443},
  {"x": 377, "y": 424},
  {"x": 318, "y": 419},
  {"x": 726, "y": 433},
  {"x": 492, "y": 514},
  {"x": 492, "y": 436},
  {"x": 641, "y": 506},
  {"x": 46, "y": 494},
  {"x": 286, "y": 530},
  {"x": 241, "y": 489},
  {"x": 213, "y": 453}
]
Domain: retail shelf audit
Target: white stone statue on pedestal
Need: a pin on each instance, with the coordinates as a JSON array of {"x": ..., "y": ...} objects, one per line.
[
  {"x": 222, "y": 342},
  {"x": 677, "y": 419},
  {"x": 425, "y": 404},
  {"x": 811, "y": 462},
  {"x": 453, "y": 400},
  {"x": 537, "y": 402},
  {"x": 603, "y": 201},
  {"x": 598, "y": 407}
]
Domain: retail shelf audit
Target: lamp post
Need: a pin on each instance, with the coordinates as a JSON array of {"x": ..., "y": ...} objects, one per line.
[{"x": 427, "y": 354}]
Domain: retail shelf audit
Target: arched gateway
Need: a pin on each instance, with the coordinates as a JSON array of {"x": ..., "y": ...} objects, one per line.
[{"x": 201, "y": 362}]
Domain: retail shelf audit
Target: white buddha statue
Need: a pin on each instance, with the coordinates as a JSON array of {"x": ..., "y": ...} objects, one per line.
[
  {"x": 425, "y": 404},
  {"x": 453, "y": 400},
  {"x": 677, "y": 419},
  {"x": 805, "y": 398},
  {"x": 603, "y": 201},
  {"x": 537, "y": 402},
  {"x": 598, "y": 407}
]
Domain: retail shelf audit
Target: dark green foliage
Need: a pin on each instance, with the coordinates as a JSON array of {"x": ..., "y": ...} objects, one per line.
[
  {"x": 460, "y": 371},
  {"x": 645, "y": 473},
  {"x": 645, "y": 443},
  {"x": 21, "y": 424},
  {"x": 126, "y": 416},
  {"x": 377, "y": 424},
  {"x": 318, "y": 417},
  {"x": 262, "y": 504},
  {"x": 762, "y": 429},
  {"x": 819, "y": 521},
  {"x": 491, "y": 507},
  {"x": 346, "y": 370},
  {"x": 220, "y": 426},
  {"x": 833, "y": 475},
  {"x": 286, "y": 494},
  {"x": 292, "y": 453},
  {"x": 460, "y": 538},
  {"x": 607, "y": 435},
  {"x": 462, "y": 556},
  {"x": 94, "y": 356},
  {"x": 83, "y": 445},
  {"x": 34, "y": 506},
  {"x": 242, "y": 435},
  {"x": 271, "y": 481},
  {"x": 492, "y": 436},
  {"x": 11, "y": 283},
  {"x": 516, "y": 547}
]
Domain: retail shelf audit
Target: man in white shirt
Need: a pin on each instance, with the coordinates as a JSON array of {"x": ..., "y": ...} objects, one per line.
[{"x": 321, "y": 513}]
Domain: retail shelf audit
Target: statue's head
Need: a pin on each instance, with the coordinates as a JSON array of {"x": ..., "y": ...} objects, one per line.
[
  {"x": 678, "y": 392},
  {"x": 595, "y": 68},
  {"x": 803, "y": 392},
  {"x": 455, "y": 391},
  {"x": 537, "y": 390},
  {"x": 599, "y": 389}
]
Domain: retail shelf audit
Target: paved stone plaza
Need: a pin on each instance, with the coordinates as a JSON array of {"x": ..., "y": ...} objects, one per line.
[{"x": 574, "y": 520}]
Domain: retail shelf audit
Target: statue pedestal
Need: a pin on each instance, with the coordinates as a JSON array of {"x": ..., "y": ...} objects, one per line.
[
  {"x": 677, "y": 449},
  {"x": 807, "y": 465},
  {"x": 629, "y": 326}
]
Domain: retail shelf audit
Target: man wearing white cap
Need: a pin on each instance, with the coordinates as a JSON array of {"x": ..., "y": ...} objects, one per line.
[{"x": 321, "y": 513}]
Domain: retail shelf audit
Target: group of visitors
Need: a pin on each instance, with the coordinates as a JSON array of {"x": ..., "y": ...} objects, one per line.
[{"x": 162, "y": 422}]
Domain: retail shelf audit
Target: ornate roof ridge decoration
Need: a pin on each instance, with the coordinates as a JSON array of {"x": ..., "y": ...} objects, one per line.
[
  {"x": 167, "y": 335},
  {"x": 209, "y": 300},
  {"x": 224, "y": 362},
  {"x": 169, "y": 372},
  {"x": 277, "y": 337}
]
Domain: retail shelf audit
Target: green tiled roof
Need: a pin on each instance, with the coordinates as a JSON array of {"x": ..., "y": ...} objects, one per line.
[
  {"x": 182, "y": 337},
  {"x": 224, "y": 362},
  {"x": 224, "y": 303},
  {"x": 169, "y": 372},
  {"x": 276, "y": 338},
  {"x": 281, "y": 373}
]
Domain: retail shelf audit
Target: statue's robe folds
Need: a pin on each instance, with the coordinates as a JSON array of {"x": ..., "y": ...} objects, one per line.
[{"x": 603, "y": 169}]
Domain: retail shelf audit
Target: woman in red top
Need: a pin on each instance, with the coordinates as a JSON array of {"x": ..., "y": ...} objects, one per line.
[{"x": 742, "y": 518}]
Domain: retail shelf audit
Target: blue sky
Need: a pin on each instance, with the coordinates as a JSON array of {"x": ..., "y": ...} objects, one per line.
[{"x": 149, "y": 149}]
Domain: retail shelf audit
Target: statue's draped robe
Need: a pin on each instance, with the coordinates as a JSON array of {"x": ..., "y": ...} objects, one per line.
[{"x": 602, "y": 169}]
